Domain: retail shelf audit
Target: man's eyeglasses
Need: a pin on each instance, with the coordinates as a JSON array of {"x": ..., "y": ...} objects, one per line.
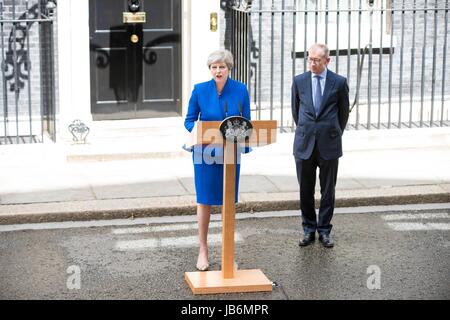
[{"x": 314, "y": 60}]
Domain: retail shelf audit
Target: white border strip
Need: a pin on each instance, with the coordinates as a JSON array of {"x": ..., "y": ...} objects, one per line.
[{"x": 215, "y": 217}]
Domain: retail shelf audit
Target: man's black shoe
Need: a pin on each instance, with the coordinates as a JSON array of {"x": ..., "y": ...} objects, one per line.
[
  {"x": 326, "y": 241},
  {"x": 307, "y": 239}
]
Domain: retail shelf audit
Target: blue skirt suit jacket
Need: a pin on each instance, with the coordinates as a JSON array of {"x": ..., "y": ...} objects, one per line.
[{"x": 206, "y": 105}]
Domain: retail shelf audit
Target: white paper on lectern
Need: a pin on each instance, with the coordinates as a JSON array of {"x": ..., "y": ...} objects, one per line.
[{"x": 190, "y": 138}]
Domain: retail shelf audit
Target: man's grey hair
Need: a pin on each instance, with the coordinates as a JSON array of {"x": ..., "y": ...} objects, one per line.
[
  {"x": 322, "y": 47},
  {"x": 221, "y": 56}
]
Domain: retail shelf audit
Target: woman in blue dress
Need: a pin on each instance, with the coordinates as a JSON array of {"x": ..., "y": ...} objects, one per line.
[{"x": 214, "y": 100}]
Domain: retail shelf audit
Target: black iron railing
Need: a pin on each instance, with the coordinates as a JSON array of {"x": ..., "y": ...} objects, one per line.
[
  {"x": 27, "y": 76},
  {"x": 404, "y": 81}
]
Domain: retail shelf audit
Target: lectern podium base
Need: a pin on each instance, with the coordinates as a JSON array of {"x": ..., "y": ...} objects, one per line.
[{"x": 209, "y": 282}]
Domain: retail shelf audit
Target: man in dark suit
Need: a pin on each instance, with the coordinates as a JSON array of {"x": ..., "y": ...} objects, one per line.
[{"x": 320, "y": 108}]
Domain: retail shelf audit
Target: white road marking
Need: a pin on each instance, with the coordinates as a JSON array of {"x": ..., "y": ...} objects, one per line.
[
  {"x": 190, "y": 241},
  {"x": 391, "y": 208},
  {"x": 414, "y": 216},
  {"x": 440, "y": 226},
  {"x": 169, "y": 227},
  {"x": 418, "y": 226}
]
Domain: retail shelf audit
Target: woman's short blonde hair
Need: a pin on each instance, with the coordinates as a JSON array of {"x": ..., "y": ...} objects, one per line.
[{"x": 221, "y": 56}]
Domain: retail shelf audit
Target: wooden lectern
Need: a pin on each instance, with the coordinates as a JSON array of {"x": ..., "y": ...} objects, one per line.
[{"x": 228, "y": 279}]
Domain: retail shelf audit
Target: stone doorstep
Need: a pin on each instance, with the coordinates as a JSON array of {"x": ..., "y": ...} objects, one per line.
[
  {"x": 155, "y": 143},
  {"x": 99, "y": 157}
]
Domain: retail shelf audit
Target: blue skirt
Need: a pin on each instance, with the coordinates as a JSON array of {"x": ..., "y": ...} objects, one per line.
[{"x": 209, "y": 177}]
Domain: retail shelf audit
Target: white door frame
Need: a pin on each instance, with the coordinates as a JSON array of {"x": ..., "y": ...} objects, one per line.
[{"x": 74, "y": 88}]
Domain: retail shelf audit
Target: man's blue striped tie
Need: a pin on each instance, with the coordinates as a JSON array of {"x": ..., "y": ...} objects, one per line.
[{"x": 317, "y": 95}]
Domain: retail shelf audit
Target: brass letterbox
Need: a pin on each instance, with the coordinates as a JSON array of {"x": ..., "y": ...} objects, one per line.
[
  {"x": 134, "y": 17},
  {"x": 213, "y": 21}
]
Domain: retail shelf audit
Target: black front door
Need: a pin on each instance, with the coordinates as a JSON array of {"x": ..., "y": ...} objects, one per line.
[{"x": 135, "y": 67}]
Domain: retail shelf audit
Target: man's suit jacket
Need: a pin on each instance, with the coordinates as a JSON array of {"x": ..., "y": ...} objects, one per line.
[{"x": 327, "y": 127}]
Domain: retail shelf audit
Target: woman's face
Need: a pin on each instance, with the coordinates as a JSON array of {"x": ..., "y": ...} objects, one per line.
[{"x": 219, "y": 71}]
